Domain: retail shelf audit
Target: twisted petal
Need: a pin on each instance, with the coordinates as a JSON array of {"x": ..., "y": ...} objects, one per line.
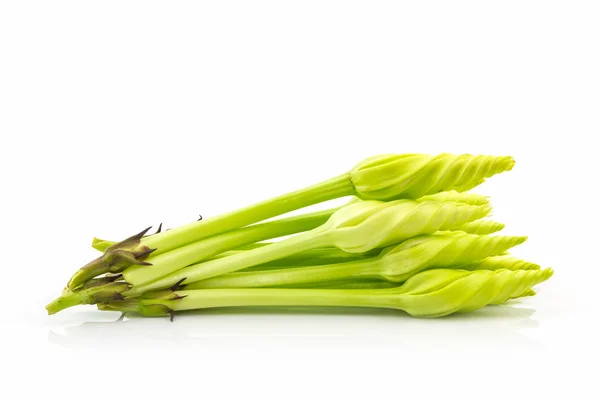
[
  {"x": 482, "y": 227},
  {"x": 504, "y": 261},
  {"x": 395, "y": 176},
  {"x": 526, "y": 293},
  {"x": 457, "y": 197}
]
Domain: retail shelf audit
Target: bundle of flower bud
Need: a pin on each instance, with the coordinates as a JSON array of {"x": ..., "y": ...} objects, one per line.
[{"x": 412, "y": 238}]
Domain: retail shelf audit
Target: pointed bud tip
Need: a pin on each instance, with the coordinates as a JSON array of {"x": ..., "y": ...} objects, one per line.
[
  {"x": 547, "y": 273},
  {"x": 520, "y": 239},
  {"x": 509, "y": 163}
]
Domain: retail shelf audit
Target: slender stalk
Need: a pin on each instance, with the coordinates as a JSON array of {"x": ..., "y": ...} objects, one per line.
[
  {"x": 167, "y": 263},
  {"x": 356, "y": 227},
  {"x": 291, "y": 276},
  {"x": 344, "y": 284},
  {"x": 235, "y": 262},
  {"x": 321, "y": 256},
  {"x": 339, "y": 186}
]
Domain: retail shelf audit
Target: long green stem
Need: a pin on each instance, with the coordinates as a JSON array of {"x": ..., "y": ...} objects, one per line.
[
  {"x": 340, "y": 186},
  {"x": 167, "y": 263},
  {"x": 345, "y": 284},
  {"x": 291, "y": 276},
  {"x": 278, "y": 297},
  {"x": 208, "y": 269},
  {"x": 321, "y": 256},
  {"x": 357, "y": 227}
]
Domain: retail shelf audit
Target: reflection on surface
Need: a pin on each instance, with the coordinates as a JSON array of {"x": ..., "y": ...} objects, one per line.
[{"x": 243, "y": 328}]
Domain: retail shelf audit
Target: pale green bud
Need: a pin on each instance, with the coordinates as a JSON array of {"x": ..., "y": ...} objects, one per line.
[
  {"x": 394, "y": 176},
  {"x": 366, "y": 225},
  {"x": 441, "y": 250},
  {"x": 440, "y": 292}
]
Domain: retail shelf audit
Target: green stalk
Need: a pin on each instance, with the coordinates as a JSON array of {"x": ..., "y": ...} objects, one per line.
[
  {"x": 320, "y": 256},
  {"x": 245, "y": 237},
  {"x": 207, "y": 248},
  {"x": 340, "y": 186},
  {"x": 235, "y": 262},
  {"x": 343, "y": 284},
  {"x": 356, "y": 227},
  {"x": 395, "y": 264},
  {"x": 432, "y": 293},
  {"x": 368, "y": 284}
]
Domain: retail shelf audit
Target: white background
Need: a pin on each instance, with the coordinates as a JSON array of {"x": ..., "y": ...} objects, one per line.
[{"x": 117, "y": 115}]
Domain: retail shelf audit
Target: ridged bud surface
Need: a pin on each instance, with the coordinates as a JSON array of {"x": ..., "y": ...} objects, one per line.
[
  {"x": 441, "y": 250},
  {"x": 366, "y": 225},
  {"x": 440, "y": 292},
  {"x": 504, "y": 261},
  {"x": 410, "y": 176},
  {"x": 457, "y": 197}
]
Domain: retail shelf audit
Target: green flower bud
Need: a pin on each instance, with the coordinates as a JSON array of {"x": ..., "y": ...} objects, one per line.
[
  {"x": 411, "y": 176},
  {"x": 441, "y": 250},
  {"x": 366, "y": 225},
  {"x": 440, "y": 292}
]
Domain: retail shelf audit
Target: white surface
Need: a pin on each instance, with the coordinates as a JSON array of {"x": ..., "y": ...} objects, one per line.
[{"x": 119, "y": 115}]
